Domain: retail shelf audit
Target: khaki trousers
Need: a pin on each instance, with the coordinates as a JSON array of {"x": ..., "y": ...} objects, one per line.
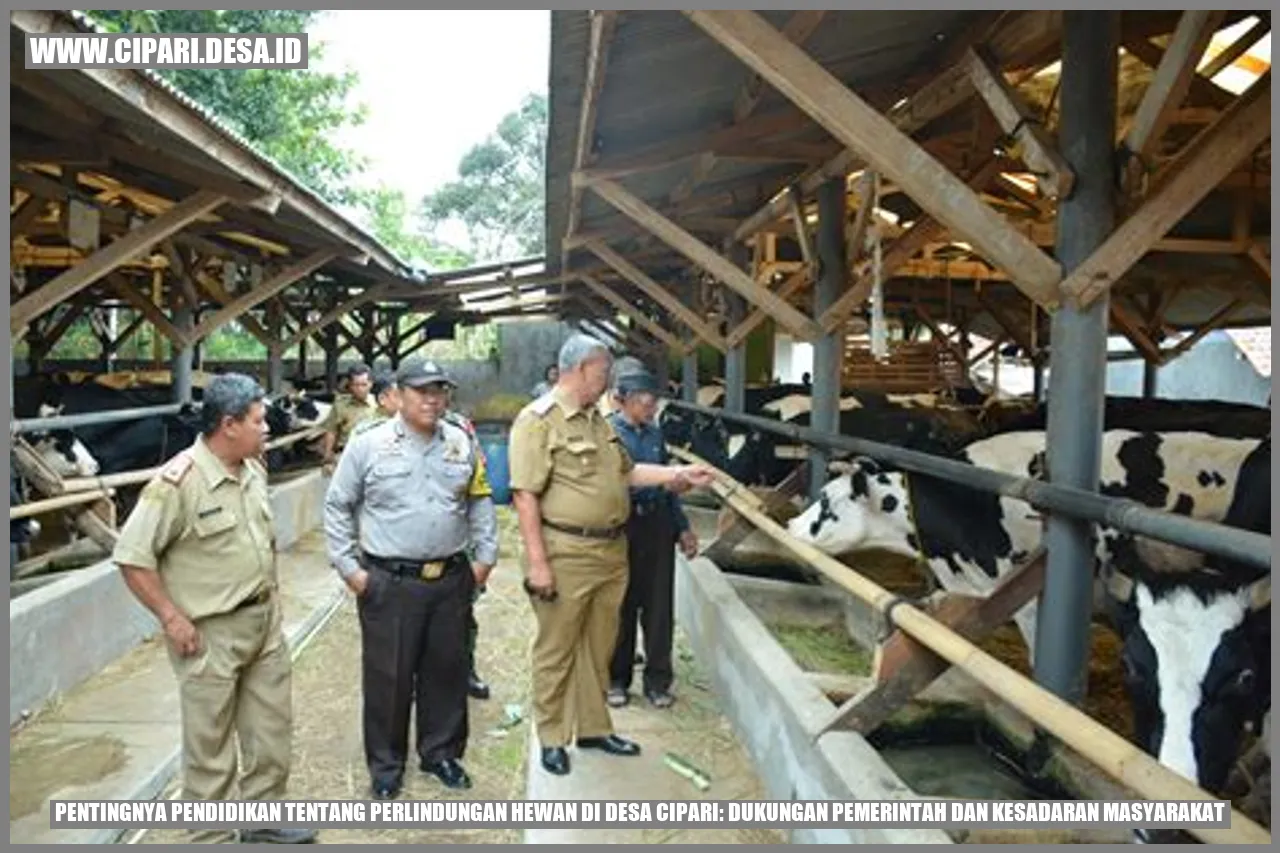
[
  {"x": 576, "y": 636},
  {"x": 239, "y": 683}
]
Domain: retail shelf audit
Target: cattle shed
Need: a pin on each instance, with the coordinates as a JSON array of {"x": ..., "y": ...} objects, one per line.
[
  {"x": 885, "y": 184},
  {"x": 216, "y": 232}
]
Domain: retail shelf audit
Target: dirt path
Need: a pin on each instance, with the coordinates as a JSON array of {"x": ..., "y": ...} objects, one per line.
[{"x": 328, "y": 756}]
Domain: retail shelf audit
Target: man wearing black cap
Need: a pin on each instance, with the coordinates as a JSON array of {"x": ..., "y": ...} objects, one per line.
[
  {"x": 417, "y": 492},
  {"x": 657, "y": 522}
]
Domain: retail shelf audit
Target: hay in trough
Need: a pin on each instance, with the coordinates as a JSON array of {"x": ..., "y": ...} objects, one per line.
[{"x": 824, "y": 648}]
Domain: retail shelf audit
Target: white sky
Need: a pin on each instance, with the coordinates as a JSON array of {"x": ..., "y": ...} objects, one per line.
[{"x": 434, "y": 83}]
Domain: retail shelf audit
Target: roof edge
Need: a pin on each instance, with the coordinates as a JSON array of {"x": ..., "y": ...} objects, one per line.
[{"x": 149, "y": 93}]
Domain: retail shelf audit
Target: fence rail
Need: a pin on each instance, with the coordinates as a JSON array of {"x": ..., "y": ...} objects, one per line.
[
  {"x": 111, "y": 416},
  {"x": 1120, "y": 513}
]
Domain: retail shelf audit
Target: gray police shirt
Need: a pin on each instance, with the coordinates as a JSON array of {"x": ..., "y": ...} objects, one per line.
[{"x": 416, "y": 498}]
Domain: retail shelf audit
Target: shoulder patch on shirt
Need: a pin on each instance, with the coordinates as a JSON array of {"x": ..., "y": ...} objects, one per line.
[
  {"x": 543, "y": 404},
  {"x": 177, "y": 468}
]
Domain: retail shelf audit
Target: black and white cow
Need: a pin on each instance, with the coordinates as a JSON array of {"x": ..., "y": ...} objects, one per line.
[{"x": 1192, "y": 626}]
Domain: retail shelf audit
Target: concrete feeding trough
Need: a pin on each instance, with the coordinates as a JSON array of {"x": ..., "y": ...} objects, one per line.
[
  {"x": 779, "y": 694},
  {"x": 68, "y": 628}
]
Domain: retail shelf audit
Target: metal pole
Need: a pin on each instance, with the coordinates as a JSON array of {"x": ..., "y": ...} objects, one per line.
[
  {"x": 1120, "y": 513},
  {"x": 331, "y": 356},
  {"x": 1150, "y": 379},
  {"x": 92, "y": 418},
  {"x": 1077, "y": 378},
  {"x": 825, "y": 415}
]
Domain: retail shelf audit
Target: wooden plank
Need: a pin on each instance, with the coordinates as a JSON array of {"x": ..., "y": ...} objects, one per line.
[
  {"x": 262, "y": 292},
  {"x": 149, "y": 310},
  {"x": 635, "y": 314},
  {"x": 1130, "y": 324},
  {"x": 121, "y": 251},
  {"x": 706, "y": 258},
  {"x": 1259, "y": 257},
  {"x": 213, "y": 286},
  {"x": 1172, "y": 79},
  {"x": 1030, "y": 32},
  {"x": 885, "y": 147},
  {"x": 1034, "y": 145},
  {"x": 1235, "y": 50},
  {"x": 1216, "y": 321},
  {"x": 1209, "y": 157},
  {"x": 603, "y": 25},
  {"x": 27, "y": 213},
  {"x": 658, "y": 294},
  {"x": 795, "y": 283},
  {"x": 905, "y": 667}
]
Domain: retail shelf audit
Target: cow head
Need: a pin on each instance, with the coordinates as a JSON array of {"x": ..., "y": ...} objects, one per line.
[
  {"x": 63, "y": 452},
  {"x": 1196, "y": 657},
  {"x": 282, "y": 415},
  {"x": 863, "y": 510}
]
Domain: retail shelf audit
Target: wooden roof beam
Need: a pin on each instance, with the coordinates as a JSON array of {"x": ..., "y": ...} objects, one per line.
[
  {"x": 635, "y": 314},
  {"x": 121, "y": 251},
  {"x": 1033, "y": 142},
  {"x": 706, "y": 258},
  {"x": 1168, "y": 89},
  {"x": 658, "y": 294},
  {"x": 603, "y": 25},
  {"x": 885, "y": 147},
  {"x": 263, "y": 292},
  {"x": 950, "y": 88},
  {"x": 1183, "y": 184}
]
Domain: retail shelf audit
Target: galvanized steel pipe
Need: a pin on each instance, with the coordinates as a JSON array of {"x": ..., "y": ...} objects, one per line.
[
  {"x": 1123, "y": 514},
  {"x": 91, "y": 418}
]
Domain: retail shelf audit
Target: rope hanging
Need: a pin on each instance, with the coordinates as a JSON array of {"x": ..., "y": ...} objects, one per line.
[{"x": 879, "y": 337}]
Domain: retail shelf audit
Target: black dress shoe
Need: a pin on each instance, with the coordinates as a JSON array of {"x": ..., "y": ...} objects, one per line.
[
  {"x": 283, "y": 835},
  {"x": 611, "y": 744},
  {"x": 449, "y": 772},
  {"x": 477, "y": 688},
  {"x": 385, "y": 790},
  {"x": 555, "y": 760}
]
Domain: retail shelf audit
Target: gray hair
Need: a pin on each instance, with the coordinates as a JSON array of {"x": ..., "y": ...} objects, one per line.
[
  {"x": 229, "y": 395},
  {"x": 580, "y": 348}
]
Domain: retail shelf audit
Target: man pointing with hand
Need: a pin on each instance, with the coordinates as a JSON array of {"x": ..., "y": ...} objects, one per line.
[{"x": 571, "y": 479}]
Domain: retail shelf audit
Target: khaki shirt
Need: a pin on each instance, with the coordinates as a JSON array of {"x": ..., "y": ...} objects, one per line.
[
  {"x": 344, "y": 415},
  {"x": 207, "y": 532},
  {"x": 368, "y": 423},
  {"x": 572, "y": 459},
  {"x": 414, "y": 498}
]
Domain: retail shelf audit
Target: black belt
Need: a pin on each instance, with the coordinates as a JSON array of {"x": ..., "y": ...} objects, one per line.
[
  {"x": 420, "y": 569},
  {"x": 588, "y": 532},
  {"x": 262, "y": 596}
]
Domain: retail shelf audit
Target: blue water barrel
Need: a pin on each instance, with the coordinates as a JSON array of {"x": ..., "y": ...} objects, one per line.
[{"x": 493, "y": 443}]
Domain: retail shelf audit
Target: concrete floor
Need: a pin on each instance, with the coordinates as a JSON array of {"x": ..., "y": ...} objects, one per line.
[{"x": 116, "y": 736}]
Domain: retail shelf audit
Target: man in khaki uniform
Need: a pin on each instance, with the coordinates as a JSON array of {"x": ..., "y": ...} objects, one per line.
[
  {"x": 348, "y": 410},
  {"x": 198, "y": 551},
  {"x": 571, "y": 476},
  {"x": 386, "y": 394}
]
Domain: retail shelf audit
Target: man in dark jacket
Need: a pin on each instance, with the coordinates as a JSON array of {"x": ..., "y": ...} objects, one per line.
[{"x": 657, "y": 523}]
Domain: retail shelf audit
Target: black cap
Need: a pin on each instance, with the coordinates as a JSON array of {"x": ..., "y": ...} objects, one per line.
[
  {"x": 635, "y": 381},
  {"x": 418, "y": 373}
]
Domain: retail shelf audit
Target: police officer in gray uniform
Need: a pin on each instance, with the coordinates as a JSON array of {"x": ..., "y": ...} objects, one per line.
[{"x": 418, "y": 492}]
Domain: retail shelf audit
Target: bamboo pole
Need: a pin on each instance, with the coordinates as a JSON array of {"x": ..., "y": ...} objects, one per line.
[
  {"x": 1107, "y": 750},
  {"x": 27, "y": 510}
]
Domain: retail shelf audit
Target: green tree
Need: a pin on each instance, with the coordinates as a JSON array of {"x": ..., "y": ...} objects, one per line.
[
  {"x": 291, "y": 115},
  {"x": 499, "y": 192},
  {"x": 389, "y": 218}
]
